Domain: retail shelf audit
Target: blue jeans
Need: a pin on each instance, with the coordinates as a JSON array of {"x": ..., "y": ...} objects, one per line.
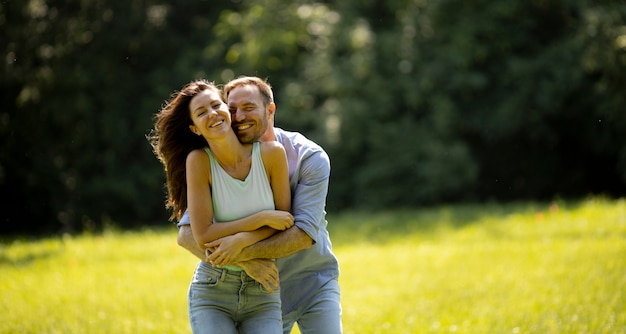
[
  {"x": 319, "y": 315},
  {"x": 223, "y": 301}
]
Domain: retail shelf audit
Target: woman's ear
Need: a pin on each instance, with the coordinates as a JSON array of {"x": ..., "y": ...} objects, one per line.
[{"x": 195, "y": 130}]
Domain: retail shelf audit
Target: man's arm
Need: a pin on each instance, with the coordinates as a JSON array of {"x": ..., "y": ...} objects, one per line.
[
  {"x": 279, "y": 245},
  {"x": 185, "y": 233},
  {"x": 185, "y": 240},
  {"x": 309, "y": 201},
  {"x": 262, "y": 270}
]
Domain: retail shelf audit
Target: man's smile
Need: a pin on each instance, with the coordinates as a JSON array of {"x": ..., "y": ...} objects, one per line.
[{"x": 242, "y": 127}]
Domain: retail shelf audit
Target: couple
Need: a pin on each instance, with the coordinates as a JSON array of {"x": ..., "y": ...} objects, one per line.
[{"x": 254, "y": 175}]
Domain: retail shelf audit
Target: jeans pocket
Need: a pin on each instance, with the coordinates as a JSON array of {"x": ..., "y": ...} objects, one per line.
[{"x": 206, "y": 277}]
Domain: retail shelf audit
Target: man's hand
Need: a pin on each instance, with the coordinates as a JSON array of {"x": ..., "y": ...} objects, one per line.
[{"x": 263, "y": 271}]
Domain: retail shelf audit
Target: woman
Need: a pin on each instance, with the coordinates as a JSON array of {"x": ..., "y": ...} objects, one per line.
[{"x": 229, "y": 188}]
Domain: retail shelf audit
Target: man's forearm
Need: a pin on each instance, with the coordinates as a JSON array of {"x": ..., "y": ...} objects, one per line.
[
  {"x": 186, "y": 241},
  {"x": 279, "y": 245}
]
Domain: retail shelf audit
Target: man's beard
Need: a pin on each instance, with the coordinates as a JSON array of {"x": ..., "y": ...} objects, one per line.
[{"x": 246, "y": 137}]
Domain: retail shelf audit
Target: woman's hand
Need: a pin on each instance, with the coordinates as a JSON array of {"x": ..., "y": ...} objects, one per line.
[
  {"x": 224, "y": 251},
  {"x": 278, "y": 220}
]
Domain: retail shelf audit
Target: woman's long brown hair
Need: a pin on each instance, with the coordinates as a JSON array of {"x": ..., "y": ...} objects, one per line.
[{"x": 172, "y": 140}]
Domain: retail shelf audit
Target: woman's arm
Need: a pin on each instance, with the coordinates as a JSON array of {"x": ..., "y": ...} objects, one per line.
[
  {"x": 277, "y": 170},
  {"x": 186, "y": 239},
  {"x": 199, "y": 202},
  {"x": 309, "y": 199}
]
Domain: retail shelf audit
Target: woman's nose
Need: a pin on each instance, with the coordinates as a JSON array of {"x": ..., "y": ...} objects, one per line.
[{"x": 212, "y": 111}]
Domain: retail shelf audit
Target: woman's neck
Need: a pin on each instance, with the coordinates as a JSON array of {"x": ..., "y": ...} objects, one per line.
[{"x": 232, "y": 155}]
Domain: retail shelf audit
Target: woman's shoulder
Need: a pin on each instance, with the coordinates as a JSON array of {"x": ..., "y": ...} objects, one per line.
[
  {"x": 198, "y": 155},
  {"x": 271, "y": 147}
]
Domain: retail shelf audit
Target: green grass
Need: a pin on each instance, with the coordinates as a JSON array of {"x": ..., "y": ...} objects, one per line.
[{"x": 515, "y": 268}]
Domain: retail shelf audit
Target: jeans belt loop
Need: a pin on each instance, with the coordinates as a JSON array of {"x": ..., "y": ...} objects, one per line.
[{"x": 223, "y": 274}]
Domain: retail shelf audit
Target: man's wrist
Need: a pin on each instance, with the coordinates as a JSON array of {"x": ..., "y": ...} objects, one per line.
[{"x": 244, "y": 255}]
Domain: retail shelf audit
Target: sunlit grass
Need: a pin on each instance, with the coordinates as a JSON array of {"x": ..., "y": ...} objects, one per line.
[
  {"x": 517, "y": 268},
  {"x": 114, "y": 283}
]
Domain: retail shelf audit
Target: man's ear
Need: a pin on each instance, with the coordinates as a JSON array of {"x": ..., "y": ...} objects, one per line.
[
  {"x": 195, "y": 130},
  {"x": 271, "y": 109}
]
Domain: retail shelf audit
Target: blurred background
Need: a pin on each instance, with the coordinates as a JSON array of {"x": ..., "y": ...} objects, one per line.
[{"x": 417, "y": 102}]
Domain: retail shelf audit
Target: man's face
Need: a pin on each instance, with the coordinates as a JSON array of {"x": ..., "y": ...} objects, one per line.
[{"x": 250, "y": 118}]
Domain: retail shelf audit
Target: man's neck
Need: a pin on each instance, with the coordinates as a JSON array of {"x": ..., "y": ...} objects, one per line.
[{"x": 269, "y": 135}]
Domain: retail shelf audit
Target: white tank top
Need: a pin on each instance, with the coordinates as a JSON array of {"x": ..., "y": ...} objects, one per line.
[{"x": 233, "y": 198}]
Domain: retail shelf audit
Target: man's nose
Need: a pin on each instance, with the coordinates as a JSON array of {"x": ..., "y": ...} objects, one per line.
[{"x": 237, "y": 115}]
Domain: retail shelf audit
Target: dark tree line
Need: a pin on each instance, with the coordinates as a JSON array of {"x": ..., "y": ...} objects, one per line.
[{"x": 417, "y": 102}]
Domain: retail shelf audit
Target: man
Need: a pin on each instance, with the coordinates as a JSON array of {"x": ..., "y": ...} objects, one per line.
[{"x": 308, "y": 269}]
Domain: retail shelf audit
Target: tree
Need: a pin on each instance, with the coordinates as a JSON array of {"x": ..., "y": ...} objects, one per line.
[{"x": 416, "y": 102}]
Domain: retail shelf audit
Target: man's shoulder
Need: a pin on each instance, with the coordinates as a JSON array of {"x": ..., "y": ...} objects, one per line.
[
  {"x": 295, "y": 139},
  {"x": 300, "y": 148}
]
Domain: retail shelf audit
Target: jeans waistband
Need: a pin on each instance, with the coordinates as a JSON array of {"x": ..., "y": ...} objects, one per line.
[{"x": 226, "y": 273}]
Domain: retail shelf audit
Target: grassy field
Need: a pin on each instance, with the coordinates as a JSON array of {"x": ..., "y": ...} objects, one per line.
[{"x": 516, "y": 268}]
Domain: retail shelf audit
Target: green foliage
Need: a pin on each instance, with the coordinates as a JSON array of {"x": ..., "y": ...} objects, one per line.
[
  {"x": 522, "y": 267},
  {"x": 417, "y": 102},
  {"x": 76, "y": 125},
  {"x": 502, "y": 82}
]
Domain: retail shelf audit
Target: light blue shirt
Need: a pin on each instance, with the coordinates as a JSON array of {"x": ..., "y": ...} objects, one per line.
[{"x": 303, "y": 273}]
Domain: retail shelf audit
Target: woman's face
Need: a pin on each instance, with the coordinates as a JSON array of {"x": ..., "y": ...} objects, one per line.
[{"x": 209, "y": 114}]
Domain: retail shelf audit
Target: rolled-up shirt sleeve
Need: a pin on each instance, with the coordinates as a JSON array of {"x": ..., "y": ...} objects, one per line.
[
  {"x": 184, "y": 220},
  {"x": 309, "y": 195}
]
